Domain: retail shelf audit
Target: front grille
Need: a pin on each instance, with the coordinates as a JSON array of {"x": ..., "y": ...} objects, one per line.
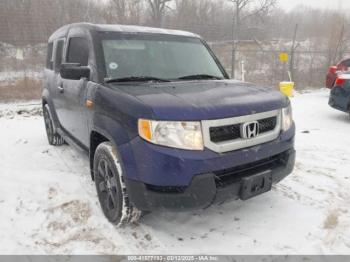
[
  {"x": 267, "y": 124},
  {"x": 232, "y": 132},
  {"x": 225, "y": 133},
  {"x": 230, "y": 176}
]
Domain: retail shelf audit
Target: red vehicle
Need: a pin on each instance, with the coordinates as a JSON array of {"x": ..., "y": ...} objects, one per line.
[{"x": 334, "y": 71}]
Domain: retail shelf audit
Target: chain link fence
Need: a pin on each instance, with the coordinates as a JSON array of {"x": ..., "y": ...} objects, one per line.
[
  {"x": 21, "y": 68},
  {"x": 264, "y": 66}
]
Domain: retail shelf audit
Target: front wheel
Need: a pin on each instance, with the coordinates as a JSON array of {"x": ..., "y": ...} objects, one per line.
[{"x": 110, "y": 186}]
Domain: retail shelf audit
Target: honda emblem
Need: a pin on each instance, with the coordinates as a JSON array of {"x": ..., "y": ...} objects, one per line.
[{"x": 250, "y": 130}]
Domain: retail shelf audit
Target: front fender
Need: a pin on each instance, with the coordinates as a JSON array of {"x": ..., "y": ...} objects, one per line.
[
  {"x": 111, "y": 129},
  {"x": 120, "y": 138}
]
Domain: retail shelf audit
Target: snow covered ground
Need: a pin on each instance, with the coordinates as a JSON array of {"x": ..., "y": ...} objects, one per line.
[{"x": 48, "y": 203}]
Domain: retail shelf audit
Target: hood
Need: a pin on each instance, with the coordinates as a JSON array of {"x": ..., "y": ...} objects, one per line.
[{"x": 204, "y": 100}]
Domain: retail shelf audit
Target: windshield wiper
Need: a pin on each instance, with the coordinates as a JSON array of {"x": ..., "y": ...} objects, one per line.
[
  {"x": 199, "y": 76},
  {"x": 136, "y": 79}
]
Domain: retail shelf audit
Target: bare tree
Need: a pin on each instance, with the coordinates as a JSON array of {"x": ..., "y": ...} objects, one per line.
[
  {"x": 249, "y": 8},
  {"x": 123, "y": 11},
  {"x": 157, "y": 8},
  {"x": 208, "y": 18},
  {"x": 120, "y": 7},
  {"x": 337, "y": 40},
  {"x": 243, "y": 10}
]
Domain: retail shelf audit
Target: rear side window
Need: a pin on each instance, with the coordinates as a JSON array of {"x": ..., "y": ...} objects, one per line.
[
  {"x": 58, "y": 55},
  {"x": 78, "y": 51},
  {"x": 49, "y": 59}
]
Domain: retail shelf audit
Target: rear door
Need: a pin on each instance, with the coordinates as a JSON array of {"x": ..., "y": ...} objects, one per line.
[{"x": 73, "y": 92}]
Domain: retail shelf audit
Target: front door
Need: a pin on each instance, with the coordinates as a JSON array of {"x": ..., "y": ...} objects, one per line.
[
  {"x": 73, "y": 92},
  {"x": 56, "y": 90}
]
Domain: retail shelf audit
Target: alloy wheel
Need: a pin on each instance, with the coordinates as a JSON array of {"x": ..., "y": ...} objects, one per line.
[{"x": 107, "y": 186}]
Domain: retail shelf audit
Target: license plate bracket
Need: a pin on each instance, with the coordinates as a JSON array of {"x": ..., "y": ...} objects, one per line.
[{"x": 255, "y": 185}]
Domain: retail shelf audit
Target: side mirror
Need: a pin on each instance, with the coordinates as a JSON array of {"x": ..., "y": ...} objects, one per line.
[{"x": 74, "y": 71}]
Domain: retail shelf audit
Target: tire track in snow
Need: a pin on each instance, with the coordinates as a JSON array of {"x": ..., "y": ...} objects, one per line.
[{"x": 140, "y": 237}]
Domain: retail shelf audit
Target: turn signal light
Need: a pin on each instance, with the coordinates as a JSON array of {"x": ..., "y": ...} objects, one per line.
[
  {"x": 89, "y": 104},
  {"x": 145, "y": 130}
]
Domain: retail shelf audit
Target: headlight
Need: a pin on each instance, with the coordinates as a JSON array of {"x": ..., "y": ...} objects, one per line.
[
  {"x": 287, "y": 118},
  {"x": 183, "y": 135}
]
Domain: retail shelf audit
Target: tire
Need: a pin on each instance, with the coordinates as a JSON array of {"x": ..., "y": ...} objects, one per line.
[
  {"x": 54, "y": 138},
  {"x": 110, "y": 187}
]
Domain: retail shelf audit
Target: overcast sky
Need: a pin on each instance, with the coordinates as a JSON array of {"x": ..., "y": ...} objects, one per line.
[{"x": 336, "y": 4}]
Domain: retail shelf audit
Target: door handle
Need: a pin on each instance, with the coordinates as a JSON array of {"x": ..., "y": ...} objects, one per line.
[{"x": 60, "y": 88}]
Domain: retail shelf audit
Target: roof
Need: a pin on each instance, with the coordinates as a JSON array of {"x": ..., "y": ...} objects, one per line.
[{"x": 121, "y": 28}]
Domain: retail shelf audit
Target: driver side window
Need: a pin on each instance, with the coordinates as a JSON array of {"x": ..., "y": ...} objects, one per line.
[
  {"x": 78, "y": 51},
  {"x": 58, "y": 54}
]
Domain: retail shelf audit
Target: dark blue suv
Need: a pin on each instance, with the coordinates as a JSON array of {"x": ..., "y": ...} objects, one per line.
[
  {"x": 340, "y": 94},
  {"x": 164, "y": 126}
]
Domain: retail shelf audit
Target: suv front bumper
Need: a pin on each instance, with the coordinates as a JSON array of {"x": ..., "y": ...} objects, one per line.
[{"x": 207, "y": 189}]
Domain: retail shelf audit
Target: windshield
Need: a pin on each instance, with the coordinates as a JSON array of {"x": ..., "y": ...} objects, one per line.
[{"x": 162, "y": 58}]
